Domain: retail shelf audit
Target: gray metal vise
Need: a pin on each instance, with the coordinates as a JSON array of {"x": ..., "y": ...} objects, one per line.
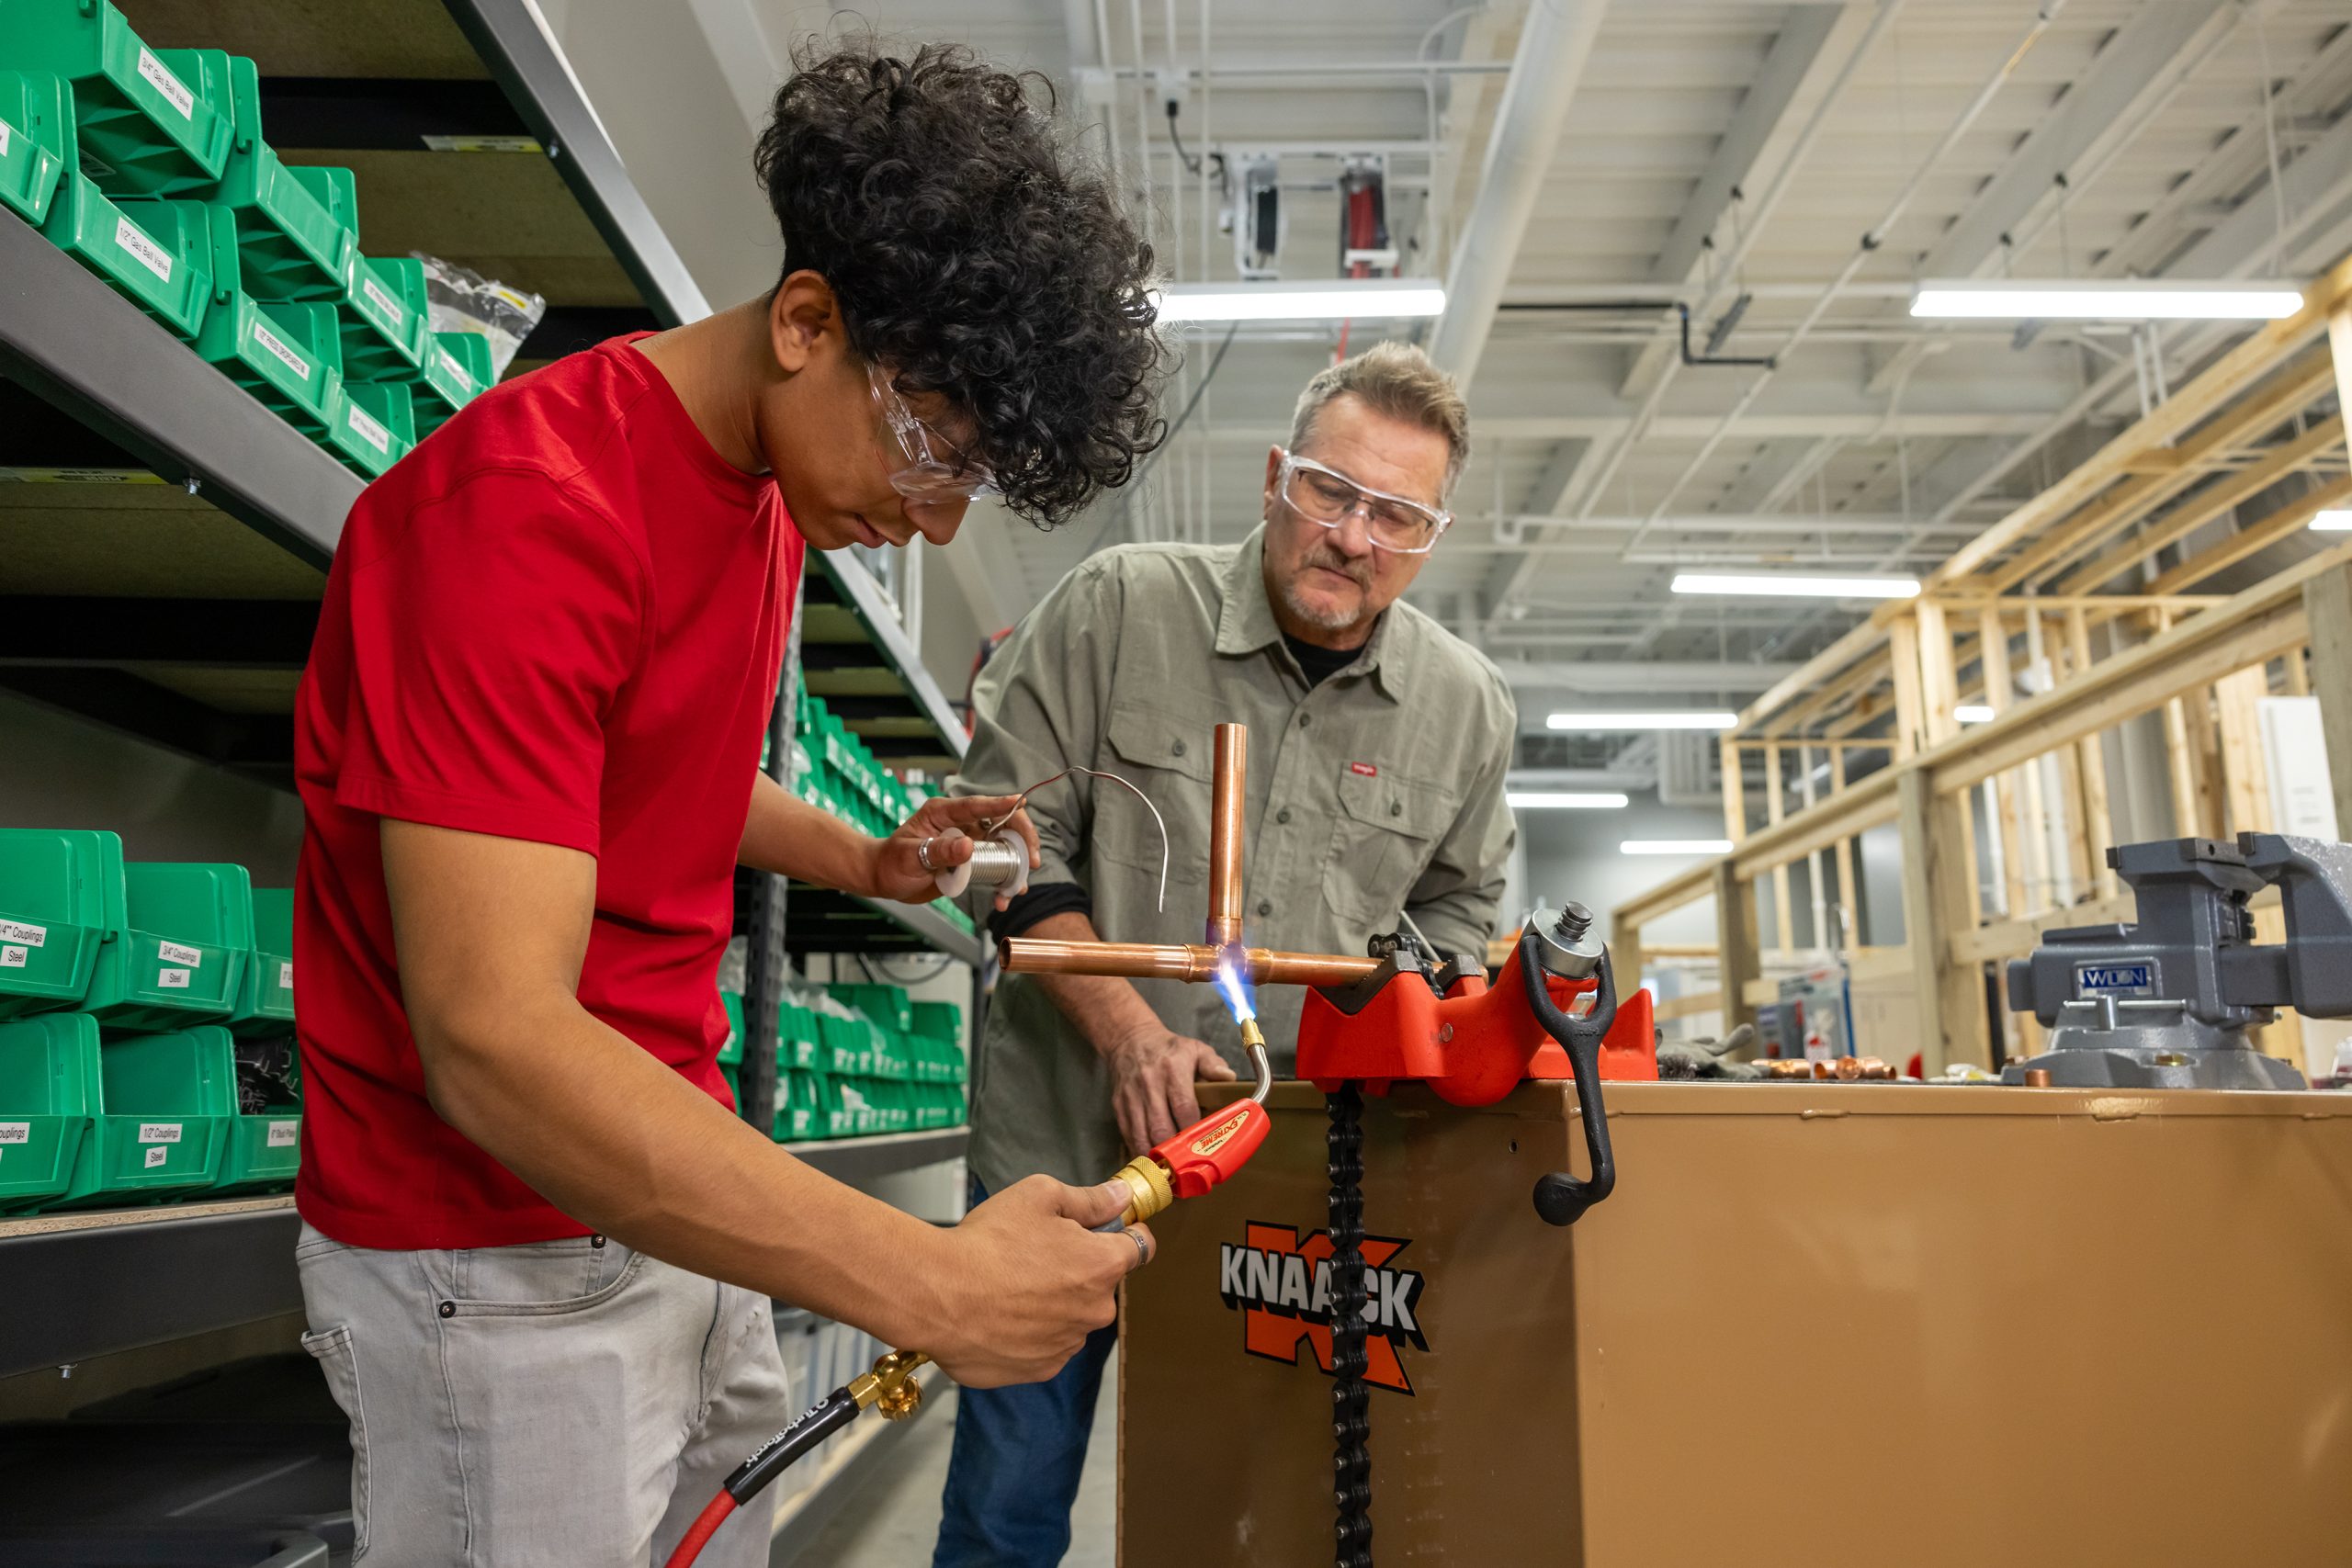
[{"x": 2165, "y": 1002}]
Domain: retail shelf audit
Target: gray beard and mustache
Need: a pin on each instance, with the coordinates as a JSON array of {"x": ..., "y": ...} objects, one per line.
[{"x": 1329, "y": 618}]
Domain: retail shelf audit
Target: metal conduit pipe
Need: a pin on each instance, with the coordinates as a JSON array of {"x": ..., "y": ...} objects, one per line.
[
  {"x": 1870, "y": 240},
  {"x": 1552, "y": 49}
]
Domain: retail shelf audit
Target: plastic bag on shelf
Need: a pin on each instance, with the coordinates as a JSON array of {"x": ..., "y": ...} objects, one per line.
[{"x": 463, "y": 300}]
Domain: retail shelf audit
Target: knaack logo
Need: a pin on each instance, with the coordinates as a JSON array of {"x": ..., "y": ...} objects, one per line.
[{"x": 1281, "y": 1283}]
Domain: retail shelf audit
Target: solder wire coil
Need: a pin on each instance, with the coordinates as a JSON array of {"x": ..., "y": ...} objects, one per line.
[{"x": 1000, "y": 861}]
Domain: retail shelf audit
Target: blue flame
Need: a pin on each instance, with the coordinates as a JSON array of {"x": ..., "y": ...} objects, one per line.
[{"x": 1236, "y": 987}]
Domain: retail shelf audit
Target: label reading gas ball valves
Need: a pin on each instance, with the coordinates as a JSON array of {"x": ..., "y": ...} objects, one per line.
[
  {"x": 24, "y": 931},
  {"x": 159, "y": 1132},
  {"x": 175, "y": 953},
  {"x": 14, "y": 957},
  {"x": 394, "y": 312},
  {"x": 159, "y": 76},
  {"x": 172, "y": 979},
  {"x": 450, "y": 363},
  {"x": 285, "y": 1135},
  {"x": 286, "y": 356},
  {"x": 156, "y": 1156},
  {"x": 367, "y": 430},
  {"x": 15, "y": 1132},
  {"x": 130, "y": 237},
  {"x": 286, "y": 974}
]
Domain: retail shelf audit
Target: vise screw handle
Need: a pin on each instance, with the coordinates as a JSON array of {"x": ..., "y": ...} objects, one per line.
[{"x": 1561, "y": 1198}]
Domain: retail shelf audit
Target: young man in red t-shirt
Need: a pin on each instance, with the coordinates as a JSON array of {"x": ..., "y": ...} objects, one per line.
[{"x": 527, "y": 746}]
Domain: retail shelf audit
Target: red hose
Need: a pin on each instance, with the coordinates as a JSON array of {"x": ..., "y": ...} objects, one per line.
[{"x": 705, "y": 1525}]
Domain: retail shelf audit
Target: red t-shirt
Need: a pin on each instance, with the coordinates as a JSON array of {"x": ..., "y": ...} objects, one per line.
[{"x": 562, "y": 619}]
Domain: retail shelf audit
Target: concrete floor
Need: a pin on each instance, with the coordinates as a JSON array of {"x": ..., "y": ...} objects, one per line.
[{"x": 894, "y": 1522}]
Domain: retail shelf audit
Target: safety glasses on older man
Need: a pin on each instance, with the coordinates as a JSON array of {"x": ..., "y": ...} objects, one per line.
[
  {"x": 1323, "y": 495},
  {"x": 933, "y": 468}
]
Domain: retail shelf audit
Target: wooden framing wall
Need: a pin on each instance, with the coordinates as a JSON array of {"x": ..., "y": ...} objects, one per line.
[{"x": 2087, "y": 598}]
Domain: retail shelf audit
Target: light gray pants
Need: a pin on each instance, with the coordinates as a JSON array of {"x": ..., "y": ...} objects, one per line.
[{"x": 560, "y": 1404}]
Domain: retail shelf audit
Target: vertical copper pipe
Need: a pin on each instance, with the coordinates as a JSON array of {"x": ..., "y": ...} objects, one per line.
[{"x": 1232, "y": 789}]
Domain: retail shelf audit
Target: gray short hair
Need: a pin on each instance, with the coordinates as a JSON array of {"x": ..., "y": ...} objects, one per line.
[{"x": 1397, "y": 380}]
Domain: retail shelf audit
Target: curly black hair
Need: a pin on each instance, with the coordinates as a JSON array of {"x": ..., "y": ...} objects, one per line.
[{"x": 977, "y": 254}]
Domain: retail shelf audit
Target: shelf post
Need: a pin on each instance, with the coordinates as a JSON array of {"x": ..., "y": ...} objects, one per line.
[{"x": 769, "y": 968}]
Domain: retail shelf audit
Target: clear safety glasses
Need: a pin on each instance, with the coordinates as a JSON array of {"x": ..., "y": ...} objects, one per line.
[
  {"x": 933, "y": 468},
  {"x": 1325, "y": 495}
]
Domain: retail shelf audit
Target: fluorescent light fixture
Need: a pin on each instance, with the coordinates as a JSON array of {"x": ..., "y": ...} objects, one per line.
[
  {"x": 1366, "y": 298},
  {"x": 1972, "y": 712},
  {"x": 1557, "y": 800},
  {"x": 2106, "y": 299},
  {"x": 1675, "y": 847},
  {"x": 2334, "y": 520},
  {"x": 1796, "y": 585},
  {"x": 1605, "y": 723}
]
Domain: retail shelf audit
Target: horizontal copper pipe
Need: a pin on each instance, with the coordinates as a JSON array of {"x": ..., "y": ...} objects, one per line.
[{"x": 1151, "y": 960}]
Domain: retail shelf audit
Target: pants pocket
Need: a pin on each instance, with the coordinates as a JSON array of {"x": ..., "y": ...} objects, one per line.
[{"x": 332, "y": 1348}]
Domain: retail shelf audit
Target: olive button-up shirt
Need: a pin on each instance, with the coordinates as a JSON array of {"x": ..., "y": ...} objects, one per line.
[{"x": 1377, "y": 792}]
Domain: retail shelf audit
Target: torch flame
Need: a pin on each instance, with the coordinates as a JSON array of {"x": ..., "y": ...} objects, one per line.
[{"x": 1229, "y": 980}]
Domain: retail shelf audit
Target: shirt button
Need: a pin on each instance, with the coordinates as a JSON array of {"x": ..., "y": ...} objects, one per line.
[
  {"x": 1283, "y": 815},
  {"x": 1395, "y": 809},
  {"x": 1180, "y": 748},
  {"x": 1265, "y": 907},
  {"x": 1304, "y": 719}
]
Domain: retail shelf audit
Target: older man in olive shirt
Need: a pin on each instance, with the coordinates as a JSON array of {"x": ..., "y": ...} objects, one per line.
[{"x": 1378, "y": 746}]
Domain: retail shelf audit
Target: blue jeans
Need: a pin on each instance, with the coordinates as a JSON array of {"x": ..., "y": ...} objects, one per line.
[{"x": 1014, "y": 1472}]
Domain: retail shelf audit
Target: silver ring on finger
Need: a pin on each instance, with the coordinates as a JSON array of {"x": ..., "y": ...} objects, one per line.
[
  {"x": 923, "y": 854},
  {"x": 1143, "y": 1247}
]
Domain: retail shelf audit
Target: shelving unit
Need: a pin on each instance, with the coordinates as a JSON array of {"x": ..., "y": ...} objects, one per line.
[{"x": 167, "y": 539}]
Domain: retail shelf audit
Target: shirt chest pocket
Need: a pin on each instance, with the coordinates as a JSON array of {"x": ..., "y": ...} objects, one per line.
[
  {"x": 1169, "y": 756},
  {"x": 1383, "y": 837}
]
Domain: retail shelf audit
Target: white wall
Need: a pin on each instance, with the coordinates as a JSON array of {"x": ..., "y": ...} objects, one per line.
[
  {"x": 61, "y": 773},
  {"x": 1574, "y": 854}
]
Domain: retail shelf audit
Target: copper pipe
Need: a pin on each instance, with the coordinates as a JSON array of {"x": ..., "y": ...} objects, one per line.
[
  {"x": 1151, "y": 960},
  {"x": 1230, "y": 785}
]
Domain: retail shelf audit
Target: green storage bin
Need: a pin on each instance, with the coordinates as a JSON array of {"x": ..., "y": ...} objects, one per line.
[
  {"x": 180, "y": 956},
  {"x": 161, "y": 1121},
  {"x": 453, "y": 370},
  {"x": 371, "y": 426},
  {"x": 296, "y": 228},
  {"x": 731, "y": 1054},
  {"x": 48, "y": 1081},
  {"x": 262, "y": 1146},
  {"x": 386, "y": 317},
  {"x": 169, "y": 277},
  {"x": 799, "y": 1109},
  {"x": 154, "y": 122},
  {"x": 60, "y": 894},
  {"x": 266, "y": 994},
  {"x": 278, "y": 351},
  {"x": 33, "y": 141},
  {"x": 860, "y": 1117}
]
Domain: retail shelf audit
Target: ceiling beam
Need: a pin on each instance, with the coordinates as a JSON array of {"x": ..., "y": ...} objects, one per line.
[
  {"x": 1788, "y": 62},
  {"x": 1552, "y": 48}
]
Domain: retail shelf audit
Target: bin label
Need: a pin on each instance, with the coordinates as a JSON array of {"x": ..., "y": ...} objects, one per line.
[
  {"x": 1282, "y": 1284},
  {"x": 286, "y": 974},
  {"x": 15, "y": 1132},
  {"x": 156, "y": 1156},
  {"x": 172, "y": 979},
  {"x": 4, "y": 138},
  {"x": 14, "y": 957},
  {"x": 273, "y": 345},
  {"x": 24, "y": 931},
  {"x": 394, "y": 312},
  {"x": 159, "y": 76},
  {"x": 175, "y": 953},
  {"x": 457, "y": 372},
  {"x": 284, "y": 1134},
  {"x": 367, "y": 429},
  {"x": 159, "y": 1132},
  {"x": 130, "y": 237}
]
